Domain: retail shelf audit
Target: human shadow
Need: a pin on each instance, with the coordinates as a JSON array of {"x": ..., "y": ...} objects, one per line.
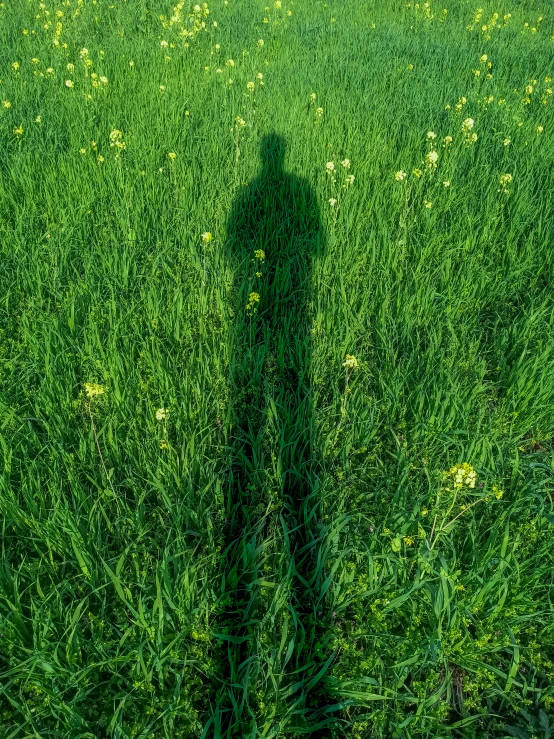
[{"x": 270, "y": 630}]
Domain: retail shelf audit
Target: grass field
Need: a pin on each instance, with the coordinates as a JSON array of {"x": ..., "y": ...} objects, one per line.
[{"x": 276, "y": 369}]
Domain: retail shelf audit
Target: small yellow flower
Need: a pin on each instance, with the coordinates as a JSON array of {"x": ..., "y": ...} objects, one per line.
[
  {"x": 163, "y": 444},
  {"x": 6, "y": 104},
  {"x": 100, "y": 159},
  {"x": 15, "y": 66},
  {"x": 253, "y": 299},
  {"x": 483, "y": 58},
  {"x": 319, "y": 112},
  {"x": 260, "y": 42},
  {"x": 427, "y": 203},
  {"x": 69, "y": 83},
  {"x": 259, "y": 254},
  {"x": 400, "y": 175},
  {"x": 351, "y": 362},
  {"x": 82, "y": 151},
  {"x": 172, "y": 155},
  {"x": 50, "y": 70},
  {"x": 346, "y": 163},
  {"x": 162, "y": 414},
  {"x": 312, "y": 97},
  {"x": 431, "y": 135},
  {"x": 408, "y": 540},
  {"x": 250, "y": 86},
  {"x": 446, "y": 183},
  {"x": 92, "y": 390},
  {"x": 417, "y": 172},
  {"x": 330, "y": 167},
  {"x": 18, "y": 130},
  {"x": 35, "y": 60},
  {"x": 38, "y": 119},
  {"x": 207, "y": 237},
  {"x": 540, "y": 129},
  {"x": 447, "y": 140},
  {"x": 332, "y": 202}
]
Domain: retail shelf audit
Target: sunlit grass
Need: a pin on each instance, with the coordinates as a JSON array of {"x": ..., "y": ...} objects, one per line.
[{"x": 398, "y": 597}]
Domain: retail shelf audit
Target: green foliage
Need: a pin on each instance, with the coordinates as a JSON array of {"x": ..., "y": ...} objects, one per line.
[{"x": 226, "y": 521}]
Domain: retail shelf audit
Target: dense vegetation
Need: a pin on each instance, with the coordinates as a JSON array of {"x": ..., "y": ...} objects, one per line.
[{"x": 276, "y": 369}]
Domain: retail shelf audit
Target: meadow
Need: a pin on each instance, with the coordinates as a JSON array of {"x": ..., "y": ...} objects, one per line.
[{"x": 276, "y": 369}]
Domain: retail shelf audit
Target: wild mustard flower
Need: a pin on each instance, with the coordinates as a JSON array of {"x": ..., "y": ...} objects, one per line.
[
  {"x": 116, "y": 140},
  {"x": 505, "y": 180},
  {"x": 18, "y": 130},
  {"x": 253, "y": 300},
  {"x": 162, "y": 414},
  {"x": 431, "y": 159},
  {"x": 351, "y": 362},
  {"x": 332, "y": 202},
  {"x": 330, "y": 167},
  {"x": 172, "y": 156},
  {"x": 431, "y": 135},
  {"x": 6, "y": 104},
  {"x": 69, "y": 83},
  {"x": 93, "y": 390},
  {"x": 400, "y": 175},
  {"x": 206, "y": 237}
]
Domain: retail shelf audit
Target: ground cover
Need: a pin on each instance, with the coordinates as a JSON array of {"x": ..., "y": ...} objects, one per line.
[{"x": 276, "y": 369}]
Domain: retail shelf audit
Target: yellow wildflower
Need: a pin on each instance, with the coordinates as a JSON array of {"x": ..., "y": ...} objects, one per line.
[{"x": 92, "y": 390}]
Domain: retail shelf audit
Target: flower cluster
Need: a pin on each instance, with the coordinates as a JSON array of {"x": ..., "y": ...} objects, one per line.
[
  {"x": 116, "y": 141},
  {"x": 505, "y": 180},
  {"x": 93, "y": 390},
  {"x": 252, "y": 305}
]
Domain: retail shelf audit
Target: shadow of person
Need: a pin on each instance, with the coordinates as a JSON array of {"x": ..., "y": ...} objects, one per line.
[{"x": 274, "y": 234}]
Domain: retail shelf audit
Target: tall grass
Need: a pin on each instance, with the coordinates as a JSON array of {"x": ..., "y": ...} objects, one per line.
[{"x": 283, "y": 549}]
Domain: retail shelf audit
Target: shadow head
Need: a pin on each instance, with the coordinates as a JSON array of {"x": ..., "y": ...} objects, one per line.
[{"x": 272, "y": 153}]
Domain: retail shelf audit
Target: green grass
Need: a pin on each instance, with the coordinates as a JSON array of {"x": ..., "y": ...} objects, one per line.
[{"x": 282, "y": 554}]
